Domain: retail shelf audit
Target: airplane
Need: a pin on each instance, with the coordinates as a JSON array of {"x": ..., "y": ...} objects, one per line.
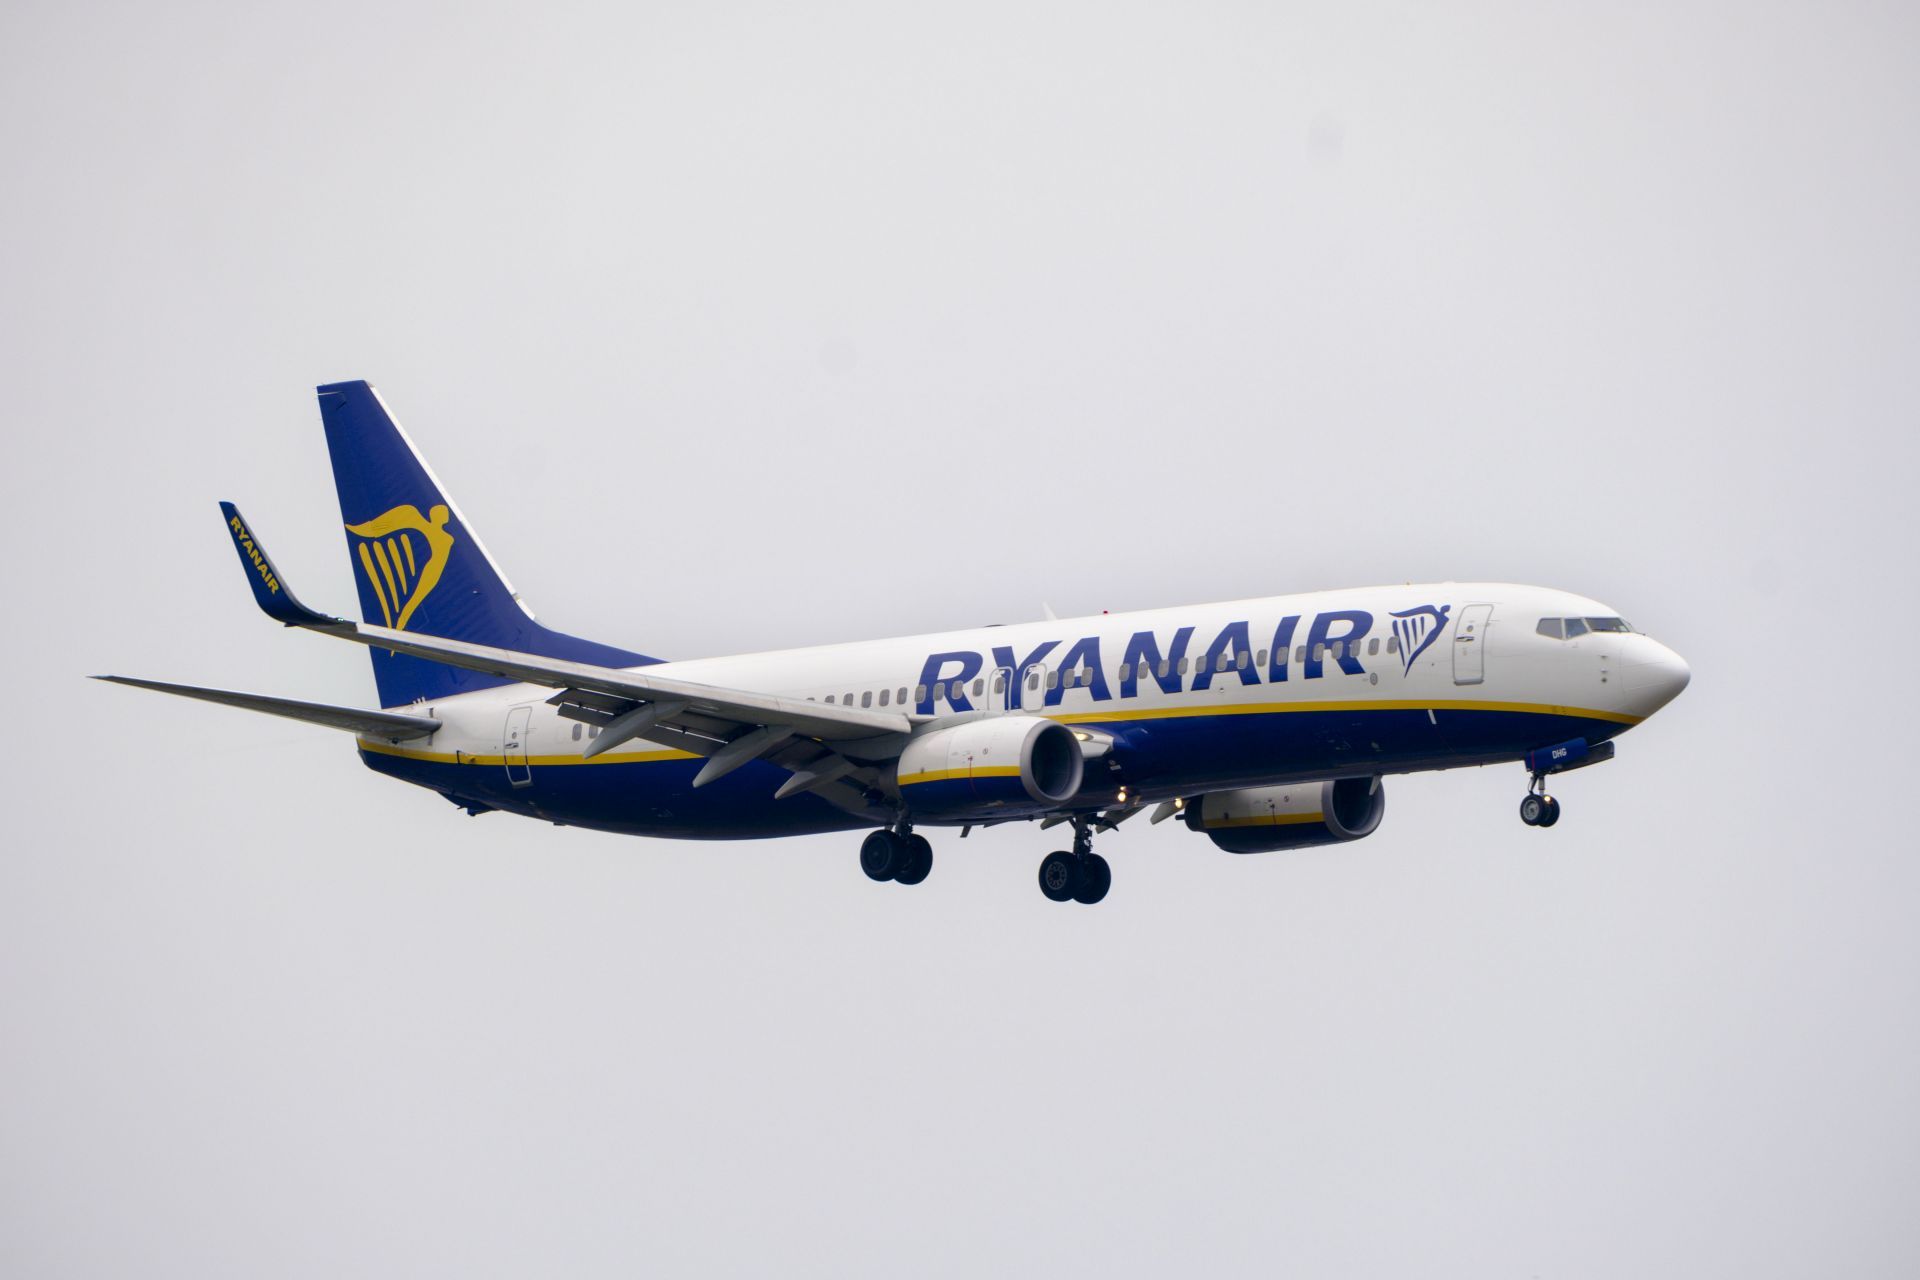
[{"x": 1264, "y": 724}]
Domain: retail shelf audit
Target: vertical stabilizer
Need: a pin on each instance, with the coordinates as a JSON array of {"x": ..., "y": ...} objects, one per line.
[{"x": 418, "y": 564}]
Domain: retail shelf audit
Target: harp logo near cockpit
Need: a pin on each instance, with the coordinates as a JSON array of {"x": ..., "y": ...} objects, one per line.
[
  {"x": 1416, "y": 629},
  {"x": 403, "y": 554}
]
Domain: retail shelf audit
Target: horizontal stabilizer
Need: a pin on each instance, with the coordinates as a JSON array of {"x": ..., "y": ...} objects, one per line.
[{"x": 394, "y": 728}]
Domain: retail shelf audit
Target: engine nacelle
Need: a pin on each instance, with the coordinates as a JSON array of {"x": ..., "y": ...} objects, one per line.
[
  {"x": 1001, "y": 766},
  {"x": 1266, "y": 819}
]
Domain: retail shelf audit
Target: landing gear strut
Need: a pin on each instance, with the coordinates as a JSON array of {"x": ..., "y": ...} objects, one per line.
[
  {"x": 1539, "y": 809},
  {"x": 897, "y": 855},
  {"x": 1081, "y": 875}
]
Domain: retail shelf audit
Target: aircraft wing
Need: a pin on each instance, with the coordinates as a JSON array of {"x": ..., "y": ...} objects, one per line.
[{"x": 819, "y": 743}]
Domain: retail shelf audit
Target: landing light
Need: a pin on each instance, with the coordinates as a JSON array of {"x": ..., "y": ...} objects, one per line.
[{"x": 1081, "y": 736}]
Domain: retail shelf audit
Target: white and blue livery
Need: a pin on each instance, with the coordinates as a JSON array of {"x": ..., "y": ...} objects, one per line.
[{"x": 1265, "y": 724}]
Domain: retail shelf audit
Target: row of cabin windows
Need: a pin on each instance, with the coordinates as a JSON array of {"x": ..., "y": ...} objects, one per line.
[
  {"x": 1083, "y": 676},
  {"x": 593, "y": 731}
]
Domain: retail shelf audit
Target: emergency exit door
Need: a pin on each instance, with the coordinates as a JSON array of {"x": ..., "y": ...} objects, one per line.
[{"x": 513, "y": 746}]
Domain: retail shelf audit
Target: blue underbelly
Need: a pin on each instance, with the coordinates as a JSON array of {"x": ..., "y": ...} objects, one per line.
[{"x": 1182, "y": 754}]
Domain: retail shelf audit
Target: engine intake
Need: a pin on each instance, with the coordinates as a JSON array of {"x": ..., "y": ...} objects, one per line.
[
  {"x": 1299, "y": 816},
  {"x": 996, "y": 767}
]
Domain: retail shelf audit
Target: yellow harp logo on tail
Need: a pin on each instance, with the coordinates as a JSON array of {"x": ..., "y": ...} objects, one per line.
[{"x": 403, "y": 554}]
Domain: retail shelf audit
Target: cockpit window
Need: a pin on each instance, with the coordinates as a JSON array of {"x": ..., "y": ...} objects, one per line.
[{"x": 1569, "y": 628}]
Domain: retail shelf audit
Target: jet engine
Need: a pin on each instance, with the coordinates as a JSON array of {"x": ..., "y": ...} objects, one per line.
[
  {"x": 1002, "y": 766},
  {"x": 1266, "y": 819}
]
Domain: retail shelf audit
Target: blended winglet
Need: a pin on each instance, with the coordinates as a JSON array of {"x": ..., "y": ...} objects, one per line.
[{"x": 270, "y": 590}]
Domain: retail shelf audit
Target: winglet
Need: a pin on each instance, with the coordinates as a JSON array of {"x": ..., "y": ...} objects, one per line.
[{"x": 270, "y": 590}]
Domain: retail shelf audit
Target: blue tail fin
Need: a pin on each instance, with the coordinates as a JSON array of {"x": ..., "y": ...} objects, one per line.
[{"x": 419, "y": 564}]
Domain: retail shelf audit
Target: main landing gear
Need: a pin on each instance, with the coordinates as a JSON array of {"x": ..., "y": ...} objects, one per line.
[
  {"x": 1539, "y": 809},
  {"x": 1081, "y": 875},
  {"x": 896, "y": 855}
]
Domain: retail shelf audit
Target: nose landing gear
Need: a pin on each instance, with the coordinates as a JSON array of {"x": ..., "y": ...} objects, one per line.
[
  {"x": 1539, "y": 809},
  {"x": 1082, "y": 875}
]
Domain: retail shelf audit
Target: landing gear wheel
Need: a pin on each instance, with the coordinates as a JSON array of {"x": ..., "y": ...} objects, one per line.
[
  {"x": 1095, "y": 878},
  {"x": 1539, "y": 810},
  {"x": 882, "y": 854},
  {"x": 1059, "y": 873},
  {"x": 916, "y": 862}
]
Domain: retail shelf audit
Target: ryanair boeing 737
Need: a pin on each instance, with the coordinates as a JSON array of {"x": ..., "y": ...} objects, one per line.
[{"x": 1263, "y": 724}]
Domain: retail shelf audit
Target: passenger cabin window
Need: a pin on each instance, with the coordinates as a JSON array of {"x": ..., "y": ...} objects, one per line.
[
  {"x": 884, "y": 693},
  {"x": 919, "y": 693},
  {"x": 1373, "y": 646},
  {"x": 1164, "y": 668},
  {"x": 576, "y": 733},
  {"x": 866, "y": 698},
  {"x": 829, "y": 697},
  {"x": 1300, "y": 655},
  {"x": 979, "y": 687},
  {"x": 1053, "y": 679},
  {"x": 1260, "y": 658},
  {"x": 1393, "y": 644},
  {"x": 903, "y": 695}
]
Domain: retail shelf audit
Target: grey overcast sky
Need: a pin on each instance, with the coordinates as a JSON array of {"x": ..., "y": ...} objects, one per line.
[{"x": 738, "y": 327}]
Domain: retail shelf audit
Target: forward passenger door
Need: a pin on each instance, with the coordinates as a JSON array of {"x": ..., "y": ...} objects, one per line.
[{"x": 1470, "y": 644}]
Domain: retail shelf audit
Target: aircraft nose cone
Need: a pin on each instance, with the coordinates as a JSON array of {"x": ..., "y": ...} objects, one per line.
[{"x": 1655, "y": 674}]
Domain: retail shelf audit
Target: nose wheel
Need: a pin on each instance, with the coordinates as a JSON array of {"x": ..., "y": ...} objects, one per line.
[
  {"x": 1539, "y": 809},
  {"x": 1079, "y": 875}
]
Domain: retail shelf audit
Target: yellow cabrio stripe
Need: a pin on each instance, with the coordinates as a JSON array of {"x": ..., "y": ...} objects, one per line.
[
  {"x": 441, "y": 757},
  {"x": 982, "y": 771},
  {"x": 1384, "y": 704}
]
